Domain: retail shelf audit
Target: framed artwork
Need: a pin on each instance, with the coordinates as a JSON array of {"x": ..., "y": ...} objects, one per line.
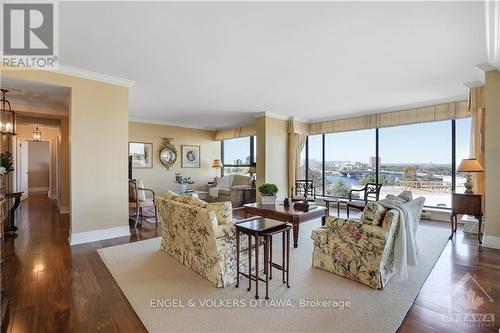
[
  {"x": 190, "y": 156},
  {"x": 142, "y": 154}
]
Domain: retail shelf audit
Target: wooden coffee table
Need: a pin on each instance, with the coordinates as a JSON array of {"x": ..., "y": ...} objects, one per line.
[{"x": 287, "y": 214}]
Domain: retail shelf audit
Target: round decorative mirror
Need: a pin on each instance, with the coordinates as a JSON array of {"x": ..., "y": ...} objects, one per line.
[{"x": 168, "y": 153}]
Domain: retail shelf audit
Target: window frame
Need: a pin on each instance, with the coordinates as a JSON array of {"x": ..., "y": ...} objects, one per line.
[
  {"x": 251, "y": 154},
  {"x": 377, "y": 166}
]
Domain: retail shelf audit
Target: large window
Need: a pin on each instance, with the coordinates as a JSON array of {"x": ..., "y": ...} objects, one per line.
[
  {"x": 417, "y": 158},
  {"x": 350, "y": 161},
  {"x": 413, "y": 157},
  {"x": 238, "y": 155}
]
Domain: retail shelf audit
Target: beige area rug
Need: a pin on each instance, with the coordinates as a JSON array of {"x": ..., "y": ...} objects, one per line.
[{"x": 148, "y": 275}]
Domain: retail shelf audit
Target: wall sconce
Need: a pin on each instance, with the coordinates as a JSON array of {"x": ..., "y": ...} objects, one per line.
[{"x": 7, "y": 116}]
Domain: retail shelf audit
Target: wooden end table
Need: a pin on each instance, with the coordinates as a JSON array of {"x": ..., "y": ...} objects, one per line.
[
  {"x": 470, "y": 204},
  {"x": 266, "y": 228},
  {"x": 287, "y": 214}
]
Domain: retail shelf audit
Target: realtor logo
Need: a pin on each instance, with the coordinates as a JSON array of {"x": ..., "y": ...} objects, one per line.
[
  {"x": 466, "y": 304},
  {"x": 28, "y": 29},
  {"x": 30, "y": 35}
]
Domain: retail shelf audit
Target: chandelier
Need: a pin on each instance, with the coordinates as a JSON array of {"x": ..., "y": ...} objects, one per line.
[
  {"x": 7, "y": 116},
  {"x": 37, "y": 135}
]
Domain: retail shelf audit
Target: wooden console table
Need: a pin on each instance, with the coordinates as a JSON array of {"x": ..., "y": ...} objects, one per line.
[
  {"x": 12, "y": 214},
  {"x": 469, "y": 204}
]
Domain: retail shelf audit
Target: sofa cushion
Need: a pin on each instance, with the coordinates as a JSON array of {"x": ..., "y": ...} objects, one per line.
[
  {"x": 241, "y": 180},
  {"x": 373, "y": 213},
  {"x": 223, "y": 211},
  {"x": 406, "y": 195},
  {"x": 224, "y": 191}
]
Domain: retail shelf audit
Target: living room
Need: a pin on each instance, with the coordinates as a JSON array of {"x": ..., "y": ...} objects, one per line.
[{"x": 292, "y": 166}]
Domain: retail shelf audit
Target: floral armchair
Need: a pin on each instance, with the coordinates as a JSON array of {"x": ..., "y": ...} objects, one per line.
[
  {"x": 363, "y": 252},
  {"x": 202, "y": 236}
]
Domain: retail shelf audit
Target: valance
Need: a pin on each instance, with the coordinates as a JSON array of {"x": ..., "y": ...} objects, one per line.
[
  {"x": 438, "y": 112},
  {"x": 233, "y": 133}
]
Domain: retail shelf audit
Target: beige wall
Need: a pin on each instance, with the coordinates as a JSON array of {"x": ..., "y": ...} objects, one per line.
[
  {"x": 492, "y": 157},
  {"x": 39, "y": 165},
  {"x": 25, "y": 131},
  {"x": 98, "y": 132},
  {"x": 272, "y": 149},
  {"x": 159, "y": 178}
]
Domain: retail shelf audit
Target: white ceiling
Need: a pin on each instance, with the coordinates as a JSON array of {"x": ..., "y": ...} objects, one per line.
[
  {"x": 36, "y": 94},
  {"x": 216, "y": 65}
]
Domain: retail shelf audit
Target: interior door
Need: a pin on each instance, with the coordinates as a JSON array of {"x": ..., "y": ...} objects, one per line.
[{"x": 22, "y": 168}]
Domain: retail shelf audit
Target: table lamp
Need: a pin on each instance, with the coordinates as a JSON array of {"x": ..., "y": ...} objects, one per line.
[
  {"x": 468, "y": 166},
  {"x": 217, "y": 164},
  {"x": 252, "y": 171}
]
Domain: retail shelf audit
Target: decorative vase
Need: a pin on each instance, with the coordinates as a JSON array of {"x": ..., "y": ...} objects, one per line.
[
  {"x": 268, "y": 199},
  {"x": 182, "y": 188}
]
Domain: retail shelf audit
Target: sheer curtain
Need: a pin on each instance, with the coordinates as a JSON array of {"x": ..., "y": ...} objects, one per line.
[
  {"x": 477, "y": 147},
  {"x": 297, "y": 135}
]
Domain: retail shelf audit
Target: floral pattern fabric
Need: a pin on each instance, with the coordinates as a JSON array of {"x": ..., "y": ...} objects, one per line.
[
  {"x": 358, "y": 251},
  {"x": 193, "y": 236}
]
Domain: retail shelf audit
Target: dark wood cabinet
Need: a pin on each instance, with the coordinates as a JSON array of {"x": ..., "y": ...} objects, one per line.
[{"x": 469, "y": 204}]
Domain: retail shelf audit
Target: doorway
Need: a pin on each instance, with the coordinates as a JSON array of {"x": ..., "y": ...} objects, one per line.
[{"x": 34, "y": 167}]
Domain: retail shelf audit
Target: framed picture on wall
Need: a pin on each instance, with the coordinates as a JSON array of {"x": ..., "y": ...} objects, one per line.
[
  {"x": 190, "y": 156},
  {"x": 142, "y": 154}
]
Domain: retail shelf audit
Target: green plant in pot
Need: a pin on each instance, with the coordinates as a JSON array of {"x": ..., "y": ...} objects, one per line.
[{"x": 268, "y": 193}]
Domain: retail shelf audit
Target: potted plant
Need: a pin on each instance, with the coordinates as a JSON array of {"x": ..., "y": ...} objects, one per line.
[
  {"x": 182, "y": 181},
  {"x": 268, "y": 193},
  {"x": 6, "y": 163}
]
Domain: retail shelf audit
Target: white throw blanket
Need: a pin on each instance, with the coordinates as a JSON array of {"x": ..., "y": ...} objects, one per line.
[
  {"x": 223, "y": 182},
  {"x": 405, "y": 248},
  {"x": 213, "y": 192}
]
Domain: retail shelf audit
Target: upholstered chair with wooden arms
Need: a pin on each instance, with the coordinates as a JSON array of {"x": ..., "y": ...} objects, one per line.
[
  {"x": 141, "y": 198},
  {"x": 303, "y": 189},
  {"x": 371, "y": 192}
]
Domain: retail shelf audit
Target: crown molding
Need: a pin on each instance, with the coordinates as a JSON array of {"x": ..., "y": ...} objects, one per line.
[
  {"x": 167, "y": 123},
  {"x": 474, "y": 84},
  {"x": 486, "y": 67},
  {"x": 271, "y": 115},
  {"x": 86, "y": 74}
]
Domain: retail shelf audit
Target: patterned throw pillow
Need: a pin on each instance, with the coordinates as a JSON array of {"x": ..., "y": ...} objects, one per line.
[
  {"x": 406, "y": 196},
  {"x": 223, "y": 211},
  {"x": 373, "y": 213}
]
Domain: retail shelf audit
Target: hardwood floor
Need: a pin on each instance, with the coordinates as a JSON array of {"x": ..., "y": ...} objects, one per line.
[{"x": 56, "y": 288}]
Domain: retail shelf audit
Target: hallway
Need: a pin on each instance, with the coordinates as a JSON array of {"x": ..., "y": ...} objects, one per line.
[{"x": 55, "y": 288}]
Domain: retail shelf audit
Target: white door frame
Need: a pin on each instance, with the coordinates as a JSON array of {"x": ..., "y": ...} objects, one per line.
[{"x": 16, "y": 159}]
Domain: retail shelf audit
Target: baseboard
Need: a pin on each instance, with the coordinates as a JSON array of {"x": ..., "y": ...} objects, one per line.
[
  {"x": 97, "y": 235},
  {"x": 491, "y": 241},
  {"x": 38, "y": 189}
]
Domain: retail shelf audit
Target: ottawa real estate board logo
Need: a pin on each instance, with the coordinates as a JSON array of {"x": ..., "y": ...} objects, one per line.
[
  {"x": 30, "y": 37},
  {"x": 468, "y": 305}
]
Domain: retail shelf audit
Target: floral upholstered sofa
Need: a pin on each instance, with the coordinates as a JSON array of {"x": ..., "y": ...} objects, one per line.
[
  {"x": 363, "y": 250},
  {"x": 202, "y": 236}
]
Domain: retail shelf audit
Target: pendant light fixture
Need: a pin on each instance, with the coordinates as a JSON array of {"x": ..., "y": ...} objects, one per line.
[
  {"x": 7, "y": 116},
  {"x": 37, "y": 135}
]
